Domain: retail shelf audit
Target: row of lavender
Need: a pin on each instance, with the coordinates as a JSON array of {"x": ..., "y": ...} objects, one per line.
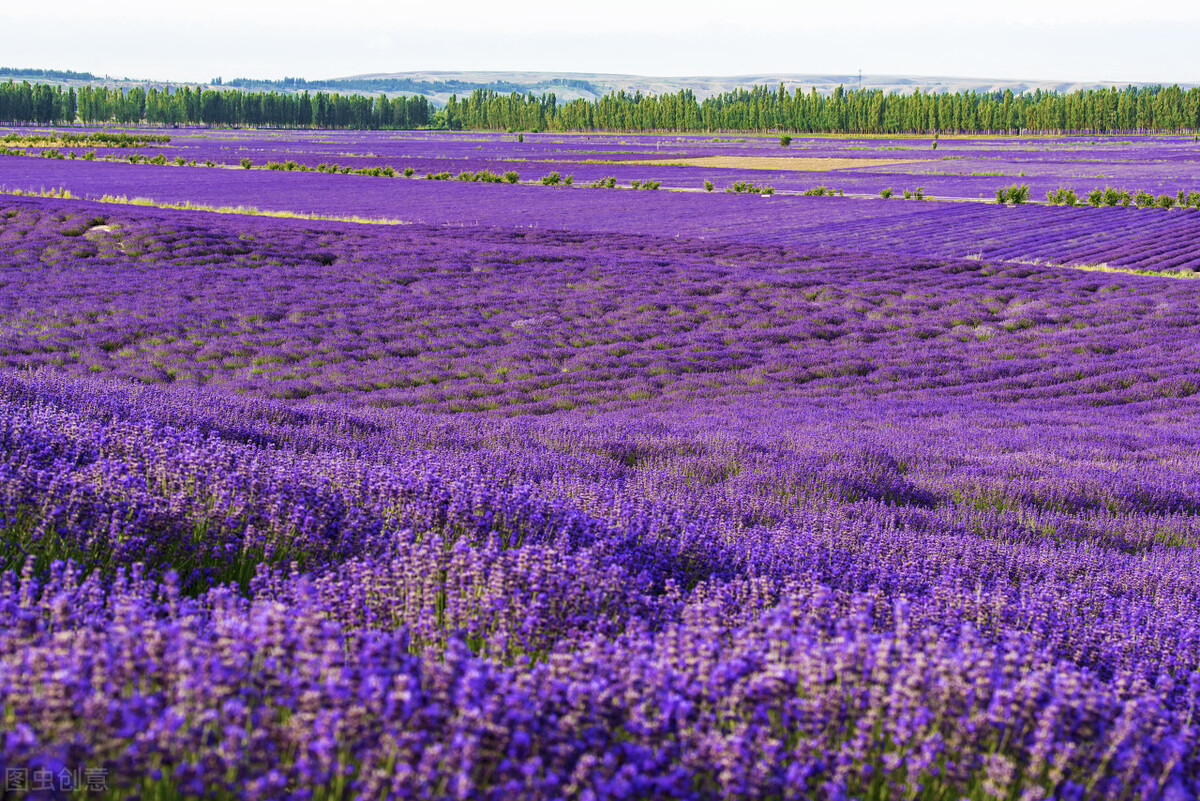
[
  {"x": 629, "y": 618},
  {"x": 1132, "y": 238},
  {"x": 820, "y": 523},
  {"x": 463, "y": 319},
  {"x": 958, "y": 168}
]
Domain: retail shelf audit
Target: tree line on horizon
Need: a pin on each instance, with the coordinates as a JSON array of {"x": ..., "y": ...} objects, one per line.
[
  {"x": 48, "y": 104},
  {"x": 759, "y": 109}
]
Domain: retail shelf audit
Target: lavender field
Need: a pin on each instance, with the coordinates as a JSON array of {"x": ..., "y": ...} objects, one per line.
[{"x": 323, "y": 484}]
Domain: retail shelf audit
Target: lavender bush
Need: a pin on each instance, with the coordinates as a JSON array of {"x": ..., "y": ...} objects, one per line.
[{"x": 551, "y": 493}]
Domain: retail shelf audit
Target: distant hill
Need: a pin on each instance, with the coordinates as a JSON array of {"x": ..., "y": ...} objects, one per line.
[
  {"x": 438, "y": 86},
  {"x": 588, "y": 85}
]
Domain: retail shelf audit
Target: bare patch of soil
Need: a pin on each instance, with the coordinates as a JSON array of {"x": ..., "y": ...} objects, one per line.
[{"x": 777, "y": 163}]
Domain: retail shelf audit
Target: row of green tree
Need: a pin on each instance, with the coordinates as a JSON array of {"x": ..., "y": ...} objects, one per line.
[
  {"x": 867, "y": 111},
  {"x": 50, "y": 104}
]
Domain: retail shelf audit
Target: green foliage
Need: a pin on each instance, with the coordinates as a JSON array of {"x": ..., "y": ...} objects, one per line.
[
  {"x": 1144, "y": 199},
  {"x": 1113, "y": 197},
  {"x": 885, "y": 193},
  {"x": 919, "y": 193},
  {"x": 1062, "y": 197},
  {"x": 604, "y": 183},
  {"x": 784, "y": 141},
  {"x": 748, "y": 187},
  {"x": 1096, "y": 197},
  {"x": 1165, "y": 201},
  {"x": 908, "y": 195},
  {"x": 511, "y": 177},
  {"x": 482, "y": 176},
  {"x": 568, "y": 180},
  {"x": 708, "y": 186},
  {"x": 501, "y": 107},
  {"x": 1017, "y": 193},
  {"x": 67, "y": 139},
  {"x": 553, "y": 179},
  {"x": 408, "y": 172},
  {"x": 817, "y": 191},
  {"x": 247, "y": 164}
]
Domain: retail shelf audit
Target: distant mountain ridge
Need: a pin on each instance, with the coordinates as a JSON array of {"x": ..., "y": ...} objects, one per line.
[
  {"x": 438, "y": 86},
  {"x": 589, "y": 85}
]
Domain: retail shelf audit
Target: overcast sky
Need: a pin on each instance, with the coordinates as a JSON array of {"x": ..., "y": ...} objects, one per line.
[{"x": 1073, "y": 40}]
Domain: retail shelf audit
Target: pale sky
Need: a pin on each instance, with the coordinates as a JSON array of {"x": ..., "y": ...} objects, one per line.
[{"x": 1069, "y": 40}]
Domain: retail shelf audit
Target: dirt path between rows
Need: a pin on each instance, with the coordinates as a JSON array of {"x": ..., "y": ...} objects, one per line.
[{"x": 778, "y": 163}]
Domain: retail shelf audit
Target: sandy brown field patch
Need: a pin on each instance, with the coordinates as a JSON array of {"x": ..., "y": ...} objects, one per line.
[{"x": 779, "y": 163}]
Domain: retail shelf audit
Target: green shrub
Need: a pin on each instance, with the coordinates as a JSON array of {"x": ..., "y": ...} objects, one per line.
[
  {"x": 747, "y": 187},
  {"x": 247, "y": 164},
  {"x": 408, "y": 172},
  {"x": 784, "y": 141},
  {"x": 1165, "y": 201},
  {"x": 1144, "y": 199},
  {"x": 885, "y": 193},
  {"x": 1067, "y": 196},
  {"x": 1096, "y": 197},
  {"x": 511, "y": 177},
  {"x": 553, "y": 179}
]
